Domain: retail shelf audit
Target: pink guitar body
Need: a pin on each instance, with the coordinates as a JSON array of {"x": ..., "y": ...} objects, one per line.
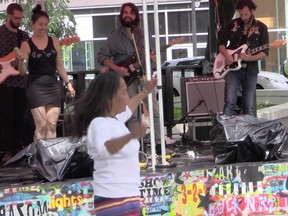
[
  {"x": 7, "y": 67},
  {"x": 220, "y": 69}
]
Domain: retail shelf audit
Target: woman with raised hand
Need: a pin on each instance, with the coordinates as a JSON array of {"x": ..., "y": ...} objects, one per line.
[{"x": 103, "y": 112}]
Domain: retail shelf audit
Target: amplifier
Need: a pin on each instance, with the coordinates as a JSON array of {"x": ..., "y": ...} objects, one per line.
[
  {"x": 199, "y": 128},
  {"x": 201, "y": 94}
]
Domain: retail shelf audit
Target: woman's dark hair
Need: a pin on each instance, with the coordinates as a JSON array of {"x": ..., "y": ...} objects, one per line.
[
  {"x": 95, "y": 102},
  {"x": 246, "y": 3},
  {"x": 37, "y": 13},
  {"x": 134, "y": 9}
]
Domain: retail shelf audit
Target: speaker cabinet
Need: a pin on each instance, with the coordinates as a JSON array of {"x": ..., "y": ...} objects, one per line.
[
  {"x": 199, "y": 128},
  {"x": 201, "y": 94}
]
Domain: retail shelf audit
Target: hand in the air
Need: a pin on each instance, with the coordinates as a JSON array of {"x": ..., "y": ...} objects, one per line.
[{"x": 150, "y": 85}]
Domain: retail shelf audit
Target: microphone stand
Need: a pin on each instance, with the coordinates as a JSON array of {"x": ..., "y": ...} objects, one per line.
[{"x": 186, "y": 115}]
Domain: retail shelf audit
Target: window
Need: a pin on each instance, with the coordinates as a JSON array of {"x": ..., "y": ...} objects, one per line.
[
  {"x": 103, "y": 25},
  {"x": 161, "y": 17},
  {"x": 178, "y": 22}
]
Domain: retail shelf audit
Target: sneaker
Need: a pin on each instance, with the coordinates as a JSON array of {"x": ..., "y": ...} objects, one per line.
[
  {"x": 225, "y": 117},
  {"x": 169, "y": 141}
]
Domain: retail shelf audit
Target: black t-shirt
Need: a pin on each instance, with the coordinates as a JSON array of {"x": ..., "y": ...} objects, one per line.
[
  {"x": 8, "y": 41},
  {"x": 42, "y": 62},
  {"x": 257, "y": 36}
]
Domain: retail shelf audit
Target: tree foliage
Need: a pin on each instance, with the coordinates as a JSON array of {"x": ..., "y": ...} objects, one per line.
[{"x": 62, "y": 22}]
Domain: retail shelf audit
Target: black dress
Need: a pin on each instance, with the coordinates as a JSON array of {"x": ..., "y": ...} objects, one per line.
[{"x": 43, "y": 87}]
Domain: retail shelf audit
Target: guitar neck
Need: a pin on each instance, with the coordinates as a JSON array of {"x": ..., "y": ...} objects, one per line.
[
  {"x": 258, "y": 49},
  {"x": 163, "y": 48},
  {"x": 171, "y": 43}
]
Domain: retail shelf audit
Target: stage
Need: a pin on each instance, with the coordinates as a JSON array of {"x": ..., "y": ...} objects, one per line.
[{"x": 196, "y": 186}]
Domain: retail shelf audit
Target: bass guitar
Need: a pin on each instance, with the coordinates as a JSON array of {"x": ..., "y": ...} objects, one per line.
[
  {"x": 220, "y": 69},
  {"x": 9, "y": 64},
  {"x": 131, "y": 63}
]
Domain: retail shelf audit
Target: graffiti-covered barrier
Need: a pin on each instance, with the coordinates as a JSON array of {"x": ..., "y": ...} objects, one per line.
[{"x": 238, "y": 189}]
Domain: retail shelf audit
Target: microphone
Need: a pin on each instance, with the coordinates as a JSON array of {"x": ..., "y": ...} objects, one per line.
[{"x": 17, "y": 50}]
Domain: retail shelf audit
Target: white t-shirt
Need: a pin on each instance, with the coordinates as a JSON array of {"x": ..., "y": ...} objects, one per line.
[{"x": 116, "y": 175}]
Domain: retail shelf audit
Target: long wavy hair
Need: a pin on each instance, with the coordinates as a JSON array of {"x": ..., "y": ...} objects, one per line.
[
  {"x": 95, "y": 102},
  {"x": 134, "y": 9}
]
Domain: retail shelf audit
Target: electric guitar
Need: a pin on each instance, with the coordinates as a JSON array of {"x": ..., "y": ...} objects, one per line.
[
  {"x": 9, "y": 63},
  {"x": 131, "y": 63},
  {"x": 220, "y": 69},
  {"x": 8, "y": 66}
]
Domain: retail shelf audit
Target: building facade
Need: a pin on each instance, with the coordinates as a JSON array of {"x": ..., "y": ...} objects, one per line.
[{"x": 96, "y": 19}]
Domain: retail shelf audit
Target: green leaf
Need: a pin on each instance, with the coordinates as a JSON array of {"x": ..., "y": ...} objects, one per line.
[{"x": 62, "y": 21}]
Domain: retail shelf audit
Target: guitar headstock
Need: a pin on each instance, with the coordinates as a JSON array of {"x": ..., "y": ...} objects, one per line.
[
  {"x": 278, "y": 43},
  {"x": 69, "y": 41},
  {"x": 178, "y": 40}
]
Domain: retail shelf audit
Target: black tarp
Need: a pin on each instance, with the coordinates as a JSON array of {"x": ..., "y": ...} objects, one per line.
[
  {"x": 245, "y": 138},
  {"x": 58, "y": 158}
]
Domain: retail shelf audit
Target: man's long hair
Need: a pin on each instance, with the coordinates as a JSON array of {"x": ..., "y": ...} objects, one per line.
[
  {"x": 246, "y": 3},
  {"x": 134, "y": 9}
]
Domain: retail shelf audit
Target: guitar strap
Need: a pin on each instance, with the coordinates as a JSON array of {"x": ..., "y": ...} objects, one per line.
[
  {"x": 217, "y": 17},
  {"x": 137, "y": 47}
]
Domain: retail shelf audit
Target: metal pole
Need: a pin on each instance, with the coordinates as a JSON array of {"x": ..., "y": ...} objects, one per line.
[
  {"x": 194, "y": 31},
  {"x": 148, "y": 73},
  {"x": 212, "y": 40},
  {"x": 159, "y": 76}
]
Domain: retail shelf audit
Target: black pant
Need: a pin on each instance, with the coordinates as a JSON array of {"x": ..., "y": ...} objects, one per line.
[{"x": 12, "y": 124}]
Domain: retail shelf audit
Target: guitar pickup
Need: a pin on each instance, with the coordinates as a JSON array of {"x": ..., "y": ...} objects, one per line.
[{"x": 132, "y": 67}]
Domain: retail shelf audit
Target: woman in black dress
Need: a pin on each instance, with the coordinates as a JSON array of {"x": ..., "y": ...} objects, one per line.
[{"x": 41, "y": 56}]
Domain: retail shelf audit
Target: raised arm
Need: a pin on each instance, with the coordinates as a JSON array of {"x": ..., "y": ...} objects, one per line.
[{"x": 23, "y": 56}]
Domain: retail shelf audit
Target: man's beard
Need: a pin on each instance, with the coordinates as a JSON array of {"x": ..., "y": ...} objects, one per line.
[
  {"x": 12, "y": 24},
  {"x": 249, "y": 21},
  {"x": 128, "y": 22}
]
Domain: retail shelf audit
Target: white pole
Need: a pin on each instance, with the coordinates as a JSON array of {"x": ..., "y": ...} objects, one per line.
[
  {"x": 159, "y": 76},
  {"x": 148, "y": 74}
]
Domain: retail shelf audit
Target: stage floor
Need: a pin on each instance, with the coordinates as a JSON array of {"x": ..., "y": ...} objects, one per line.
[
  {"x": 20, "y": 174},
  {"x": 187, "y": 157}
]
